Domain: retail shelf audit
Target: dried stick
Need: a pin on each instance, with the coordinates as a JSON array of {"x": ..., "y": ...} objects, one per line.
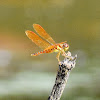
[{"x": 62, "y": 76}]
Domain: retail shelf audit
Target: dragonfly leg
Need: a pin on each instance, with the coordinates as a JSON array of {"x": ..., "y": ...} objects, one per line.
[
  {"x": 58, "y": 56},
  {"x": 65, "y": 55}
]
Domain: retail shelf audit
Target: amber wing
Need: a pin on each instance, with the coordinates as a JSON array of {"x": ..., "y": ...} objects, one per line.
[
  {"x": 43, "y": 33},
  {"x": 37, "y": 40}
]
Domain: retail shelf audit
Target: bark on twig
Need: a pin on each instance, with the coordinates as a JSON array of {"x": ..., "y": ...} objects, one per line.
[{"x": 62, "y": 76}]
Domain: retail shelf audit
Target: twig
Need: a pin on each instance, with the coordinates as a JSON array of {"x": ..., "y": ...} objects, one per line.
[{"x": 62, "y": 76}]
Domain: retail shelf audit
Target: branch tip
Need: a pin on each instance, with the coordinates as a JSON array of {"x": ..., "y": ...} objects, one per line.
[{"x": 65, "y": 67}]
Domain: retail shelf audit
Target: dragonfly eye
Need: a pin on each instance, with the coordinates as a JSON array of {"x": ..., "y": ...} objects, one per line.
[{"x": 65, "y": 45}]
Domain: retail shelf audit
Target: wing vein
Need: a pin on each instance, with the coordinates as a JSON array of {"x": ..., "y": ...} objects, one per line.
[
  {"x": 37, "y": 40},
  {"x": 43, "y": 33}
]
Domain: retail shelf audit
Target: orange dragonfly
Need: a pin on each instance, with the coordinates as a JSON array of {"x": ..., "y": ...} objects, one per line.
[{"x": 45, "y": 42}]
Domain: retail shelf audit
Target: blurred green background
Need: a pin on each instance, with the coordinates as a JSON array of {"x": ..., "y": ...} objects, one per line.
[{"x": 23, "y": 77}]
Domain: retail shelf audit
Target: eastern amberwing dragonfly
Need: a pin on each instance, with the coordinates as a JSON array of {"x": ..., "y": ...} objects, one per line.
[{"x": 45, "y": 42}]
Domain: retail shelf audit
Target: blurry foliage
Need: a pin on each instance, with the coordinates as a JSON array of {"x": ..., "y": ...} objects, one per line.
[
  {"x": 75, "y": 21},
  {"x": 23, "y": 97}
]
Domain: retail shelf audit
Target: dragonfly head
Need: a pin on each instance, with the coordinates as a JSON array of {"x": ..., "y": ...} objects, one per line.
[{"x": 65, "y": 46}]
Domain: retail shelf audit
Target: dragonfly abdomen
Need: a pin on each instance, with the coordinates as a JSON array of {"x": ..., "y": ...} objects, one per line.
[
  {"x": 41, "y": 52},
  {"x": 48, "y": 50},
  {"x": 38, "y": 53}
]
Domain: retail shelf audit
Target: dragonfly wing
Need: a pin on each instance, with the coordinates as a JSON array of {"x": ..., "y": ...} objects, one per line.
[
  {"x": 43, "y": 33},
  {"x": 37, "y": 40}
]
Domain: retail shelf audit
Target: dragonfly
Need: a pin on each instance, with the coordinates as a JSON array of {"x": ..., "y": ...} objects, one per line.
[{"x": 43, "y": 40}]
